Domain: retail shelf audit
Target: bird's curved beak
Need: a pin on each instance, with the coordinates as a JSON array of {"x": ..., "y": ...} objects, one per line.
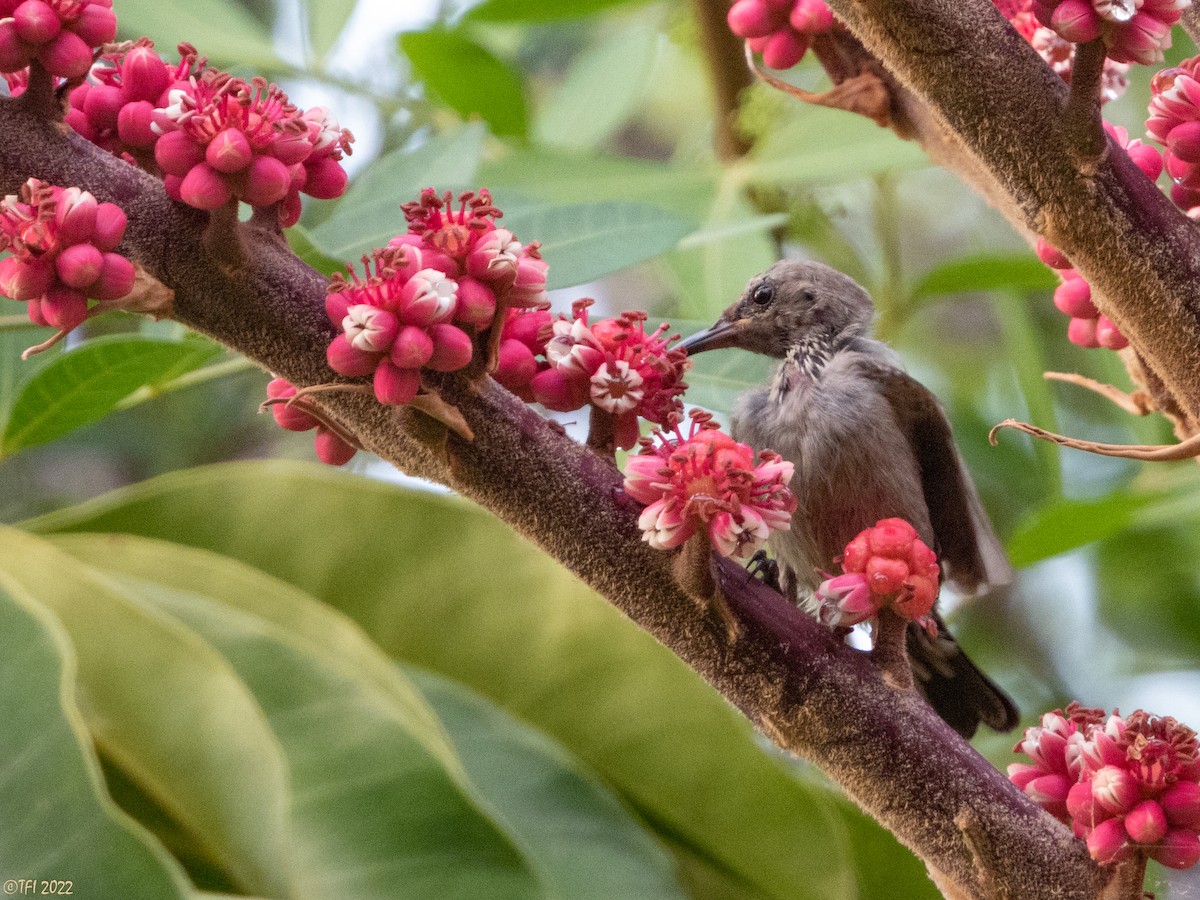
[{"x": 723, "y": 334}]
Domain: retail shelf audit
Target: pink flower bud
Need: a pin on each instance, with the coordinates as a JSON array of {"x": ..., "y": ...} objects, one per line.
[
  {"x": 918, "y": 596},
  {"x": 1114, "y": 790},
  {"x": 1184, "y": 196},
  {"x": 64, "y": 307},
  {"x": 412, "y": 348},
  {"x": 1074, "y": 297},
  {"x": 395, "y": 386},
  {"x": 495, "y": 257},
  {"x": 133, "y": 124},
  {"x": 1051, "y": 256},
  {"x": 1146, "y": 158},
  {"x": 751, "y": 18},
  {"x": 369, "y": 328},
  {"x": 558, "y": 392},
  {"x": 266, "y": 181},
  {"x": 1050, "y": 791},
  {"x": 79, "y": 266},
  {"x": 1181, "y": 803},
  {"x": 75, "y": 215},
  {"x": 1021, "y": 774},
  {"x": 36, "y": 22},
  {"x": 177, "y": 153},
  {"x": 1179, "y": 849},
  {"x": 428, "y": 297},
  {"x": 451, "y": 348},
  {"x": 348, "y": 360},
  {"x": 1184, "y": 141},
  {"x": 886, "y": 575},
  {"x": 1146, "y": 823},
  {"x": 1075, "y": 21},
  {"x": 28, "y": 281},
  {"x": 103, "y": 104},
  {"x": 515, "y": 366},
  {"x": 144, "y": 75},
  {"x": 68, "y": 55},
  {"x": 846, "y": 600},
  {"x": 35, "y": 313},
  {"x": 116, "y": 279},
  {"x": 476, "y": 302},
  {"x": 1108, "y": 843},
  {"x": 110, "y": 226},
  {"x": 96, "y": 25},
  {"x": 1109, "y": 336},
  {"x": 331, "y": 449},
  {"x": 326, "y": 179},
  {"x": 891, "y": 537},
  {"x": 784, "y": 49},
  {"x": 204, "y": 187},
  {"x": 1179, "y": 170},
  {"x": 529, "y": 284},
  {"x": 15, "y": 54},
  {"x": 229, "y": 151},
  {"x": 1081, "y": 807},
  {"x": 1082, "y": 332},
  {"x": 291, "y": 418},
  {"x": 811, "y": 16},
  {"x": 291, "y": 149},
  {"x": 337, "y": 304}
]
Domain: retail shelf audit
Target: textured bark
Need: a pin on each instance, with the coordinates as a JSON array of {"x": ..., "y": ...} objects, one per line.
[{"x": 810, "y": 693}]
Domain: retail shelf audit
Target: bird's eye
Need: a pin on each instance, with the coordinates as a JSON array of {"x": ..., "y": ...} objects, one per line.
[{"x": 763, "y": 293}]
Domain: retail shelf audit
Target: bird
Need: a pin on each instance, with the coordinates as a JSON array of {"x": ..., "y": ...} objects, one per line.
[{"x": 868, "y": 442}]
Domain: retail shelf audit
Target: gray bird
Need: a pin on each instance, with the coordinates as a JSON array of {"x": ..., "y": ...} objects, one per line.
[{"x": 868, "y": 442}]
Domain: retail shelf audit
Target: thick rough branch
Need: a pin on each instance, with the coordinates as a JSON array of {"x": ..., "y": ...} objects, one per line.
[
  {"x": 988, "y": 92},
  {"x": 812, "y": 694}
]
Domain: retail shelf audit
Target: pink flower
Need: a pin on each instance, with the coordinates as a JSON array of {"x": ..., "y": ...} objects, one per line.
[
  {"x": 705, "y": 480},
  {"x": 781, "y": 30},
  {"x": 847, "y": 600},
  {"x": 897, "y": 567},
  {"x": 1134, "y": 31},
  {"x": 1134, "y": 783}
]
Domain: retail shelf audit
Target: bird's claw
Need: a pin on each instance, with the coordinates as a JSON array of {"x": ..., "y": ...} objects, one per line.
[{"x": 764, "y": 569}]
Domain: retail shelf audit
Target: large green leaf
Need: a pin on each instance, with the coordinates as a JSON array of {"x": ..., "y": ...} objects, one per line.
[
  {"x": 86, "y": 384},
  {"x": 551, "y": 653},
  {"x": 370, "y": 214},
  {"x": 170, "y": 711},
  {"x": 576, "y": 836},
  {"x": 468, "y": 78},
  {"x": 601, "y": 90},
  {"x": 220, "y": 29},
  {"x": 586, "y": 241},
  {"x": 57, "y": 823},
  {"x": 539, "y": 10},
  {"x": 1068, "y": 524}
]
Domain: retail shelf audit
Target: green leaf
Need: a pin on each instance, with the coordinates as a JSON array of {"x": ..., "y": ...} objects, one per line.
[
  {"x": 601, "y": 90},
  {"x": 369, "y": 215},
  {"x": 583, "y": 842},
  {"x": 577, "y": 836},
  {"x": 220, "y": 29},
  {"x": 326, "y": 21},
  {"x": 584, "y": 242},
  {"x": 821, "y": 145},
  {"x": 56, "y": 820},
  {"x": 170, "y": 711},
  {"x": 1070, "y": 524},
  {"x": 468, "y": 78},
  {"x": 521, "y": 631},
  {"x": 539, "y": 11},
  {"x": 86, "y": 384},
  {"x": 986, "y": 272}
]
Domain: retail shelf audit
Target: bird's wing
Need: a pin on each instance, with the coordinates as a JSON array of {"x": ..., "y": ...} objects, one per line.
[{"x": 967, "y": 546}]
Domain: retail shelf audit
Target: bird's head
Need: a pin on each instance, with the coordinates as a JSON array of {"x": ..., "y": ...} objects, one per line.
[{"x": 786, "y": 304}]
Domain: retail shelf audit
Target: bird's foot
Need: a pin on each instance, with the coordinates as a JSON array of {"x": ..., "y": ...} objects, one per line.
[{"x": 765, "y": 570}]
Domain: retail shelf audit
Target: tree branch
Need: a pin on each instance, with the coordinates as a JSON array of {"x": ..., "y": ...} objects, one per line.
[{"x": 788, "y": 674}]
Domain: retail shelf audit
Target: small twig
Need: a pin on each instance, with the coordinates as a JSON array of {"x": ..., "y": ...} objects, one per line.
[
  {"x": 602, "y": 433},
  {"x": 46, "y": 344},
  {"x": 1128, "y": 880},
  {"x": 39, "y": 96},
  {"x": 1086, "y": 139},
  {"x": 325, "y": 421},
  {"x": 1138, "y": 403},
  {"x": 223, "y": 238},
  {"x": 890, "y": 652},
  {"x": 1147, "y": 452},
  {"x": 864, "y": 93}
]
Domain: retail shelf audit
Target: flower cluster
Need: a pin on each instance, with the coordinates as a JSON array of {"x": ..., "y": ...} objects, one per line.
[
  {"x": 707, "y": 481},
  {"x": 59, "y": 34},
  {"x": 1125, "y": 785},
  {"x": 885, "y": 565},
  {"x": 211, "y": 136},
  {"x": 615, "y": 365},
  {"x": 1174, "y": 122},
  {"x": 424, "y": 296},
  {"x": 522, "y": 341},
  {"x": 780, "y": 30},
  {"x": 62, "y": 243},
  {"x": 1073, "y": 297},
  {"x": 330, "y": 447},
  {"x": 1059, "y": 53},
  {"x": 1133, "y": 31}
]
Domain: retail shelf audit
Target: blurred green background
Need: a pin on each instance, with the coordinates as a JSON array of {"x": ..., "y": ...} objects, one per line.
[{"x": 242, "y": 674}]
